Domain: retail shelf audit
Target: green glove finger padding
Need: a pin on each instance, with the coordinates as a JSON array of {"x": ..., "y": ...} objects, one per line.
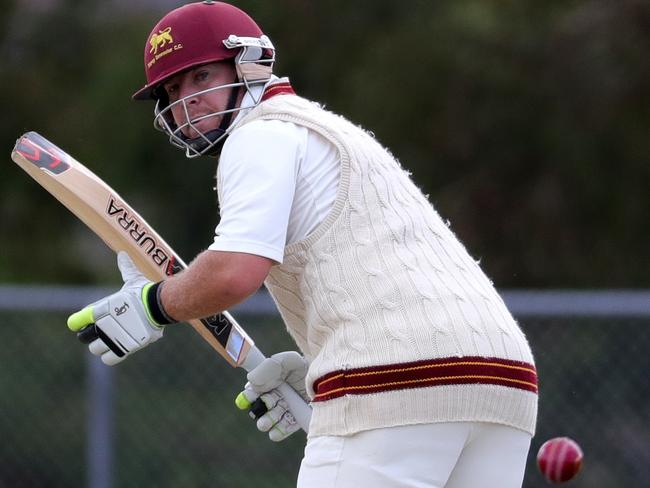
[
  {"x": 242, "y": 402},
  {"x": 246, "y": 398},
  {"x": 81, "y": 319}
]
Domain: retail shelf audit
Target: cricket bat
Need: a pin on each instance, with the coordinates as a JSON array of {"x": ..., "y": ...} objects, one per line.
[{"x": 99, "y": 207}]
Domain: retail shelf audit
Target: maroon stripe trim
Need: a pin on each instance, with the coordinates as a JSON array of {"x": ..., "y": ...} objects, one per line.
[
  {"x": 420, "y": 374},
  {"x": 283, "y": 88}
]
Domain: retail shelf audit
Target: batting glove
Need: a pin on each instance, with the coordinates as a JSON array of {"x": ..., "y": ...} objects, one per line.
[
  {"x": 124, "y": 322},
  {"x": 265, "y": 403}
]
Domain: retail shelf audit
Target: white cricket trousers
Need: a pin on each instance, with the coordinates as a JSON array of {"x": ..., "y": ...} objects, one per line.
[{"x": 444, "y": 455}]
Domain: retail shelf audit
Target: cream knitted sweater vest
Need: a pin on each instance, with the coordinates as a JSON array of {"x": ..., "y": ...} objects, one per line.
[{"x": 383, "y": 280}]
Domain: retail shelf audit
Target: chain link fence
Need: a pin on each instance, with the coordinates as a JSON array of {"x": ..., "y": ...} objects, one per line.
[{"x": 166, "y": 417}]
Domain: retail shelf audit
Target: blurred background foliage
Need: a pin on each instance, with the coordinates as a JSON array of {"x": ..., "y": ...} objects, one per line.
[{"x": 527, "y": 122}]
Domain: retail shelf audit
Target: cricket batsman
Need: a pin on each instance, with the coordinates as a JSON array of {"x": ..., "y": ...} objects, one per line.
[{"x": 417, "y": 373}]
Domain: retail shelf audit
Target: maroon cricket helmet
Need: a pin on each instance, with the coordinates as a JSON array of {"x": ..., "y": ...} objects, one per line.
[{"x": 189, "y": 36}]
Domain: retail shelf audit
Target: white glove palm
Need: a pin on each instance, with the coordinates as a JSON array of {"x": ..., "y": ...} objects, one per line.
[
  {"x": 273, "y": 414},
  {"x": 119, "y": 324}
]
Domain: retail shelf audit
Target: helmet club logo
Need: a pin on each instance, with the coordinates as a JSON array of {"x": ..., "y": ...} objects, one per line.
[{"x": 161, "y": 44}]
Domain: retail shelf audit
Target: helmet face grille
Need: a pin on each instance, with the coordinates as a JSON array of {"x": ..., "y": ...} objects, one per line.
[{"x": 203, "y": 142}]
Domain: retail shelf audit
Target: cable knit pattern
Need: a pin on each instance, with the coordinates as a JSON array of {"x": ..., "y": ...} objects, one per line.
[{"x": 383, "y": 280}]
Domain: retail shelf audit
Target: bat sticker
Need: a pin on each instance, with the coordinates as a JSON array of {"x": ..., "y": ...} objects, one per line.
[{"x": 34, "y": 149}]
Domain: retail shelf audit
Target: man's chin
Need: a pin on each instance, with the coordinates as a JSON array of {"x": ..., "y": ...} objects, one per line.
[{"x": 191, "y": 134}]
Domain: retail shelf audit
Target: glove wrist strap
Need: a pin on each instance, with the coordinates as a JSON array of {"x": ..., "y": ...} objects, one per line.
[{"x": 153, "y": 305}]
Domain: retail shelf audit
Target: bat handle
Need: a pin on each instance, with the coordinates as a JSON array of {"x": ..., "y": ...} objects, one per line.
[{"x": 299, "y": 407}]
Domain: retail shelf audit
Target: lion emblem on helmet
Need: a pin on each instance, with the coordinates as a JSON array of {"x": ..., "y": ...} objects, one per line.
[{"x": 160, "y": 39}]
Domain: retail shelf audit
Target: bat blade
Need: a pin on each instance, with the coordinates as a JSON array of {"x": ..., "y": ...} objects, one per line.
[
  {"x": 107, "y": 214},
  {"x": 103, "y": 210}
]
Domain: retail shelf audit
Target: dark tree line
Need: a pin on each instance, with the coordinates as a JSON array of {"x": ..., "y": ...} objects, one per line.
[{"x": 526, "y": 122}]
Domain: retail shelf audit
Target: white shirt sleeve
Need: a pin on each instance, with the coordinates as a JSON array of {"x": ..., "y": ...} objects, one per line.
[{"x": 258, "y": 170}]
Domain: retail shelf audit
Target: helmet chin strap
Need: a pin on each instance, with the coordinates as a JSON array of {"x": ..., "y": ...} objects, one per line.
[{"x": 199, "y": 143}]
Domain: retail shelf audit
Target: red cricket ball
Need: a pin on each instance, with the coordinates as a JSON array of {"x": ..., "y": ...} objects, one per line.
[{"x": 559, "y": 459}]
